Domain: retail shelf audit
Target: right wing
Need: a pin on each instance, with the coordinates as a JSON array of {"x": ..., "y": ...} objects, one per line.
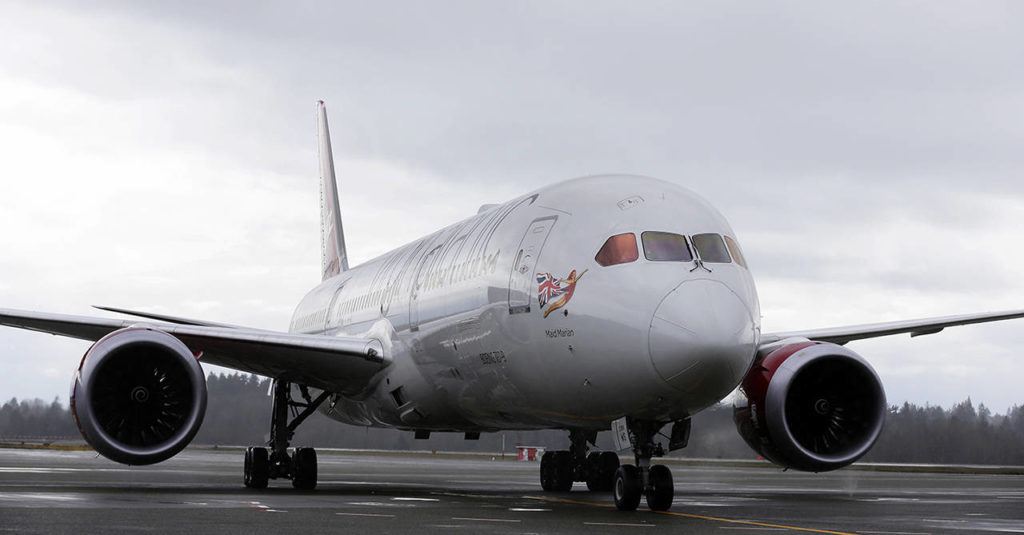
[
  {"x": 842, "y": 335},
  {"x": 338, "y": 364}
]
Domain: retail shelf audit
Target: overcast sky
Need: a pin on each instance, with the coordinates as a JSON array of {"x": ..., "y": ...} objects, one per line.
[{"x": 870, "y": 156}]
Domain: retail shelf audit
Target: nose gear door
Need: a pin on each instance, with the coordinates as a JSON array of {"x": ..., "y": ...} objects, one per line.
[{"x": 522, "y": 279}]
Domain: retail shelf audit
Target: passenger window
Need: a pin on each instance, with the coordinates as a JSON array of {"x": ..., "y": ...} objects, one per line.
[
  {"x": 618, "y": 249},
  {"x": 734, "y": 248},
  {"x": 665, "y": 246},
  {"x": 711, "y": 248}
]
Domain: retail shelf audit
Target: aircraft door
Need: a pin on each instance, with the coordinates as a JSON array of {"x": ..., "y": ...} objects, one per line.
[
  {"x": 417, "y": 288},
  {"x": 333, "y": 316},
  {"x": 522, "y": 281}
]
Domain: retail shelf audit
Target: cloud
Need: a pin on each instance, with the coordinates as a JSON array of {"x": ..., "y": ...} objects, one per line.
[{"x": 162, "y": 155}]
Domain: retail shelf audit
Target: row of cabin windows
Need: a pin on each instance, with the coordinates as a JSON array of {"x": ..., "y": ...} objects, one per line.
[{"x": 669, "y": 247}]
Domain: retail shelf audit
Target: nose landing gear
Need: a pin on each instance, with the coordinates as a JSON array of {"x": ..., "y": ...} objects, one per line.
[
  {"x": 301, "y": 466},
  {"x": 653, "y": 482}
]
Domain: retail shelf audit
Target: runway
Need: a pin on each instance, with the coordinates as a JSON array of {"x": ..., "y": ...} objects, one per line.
[{"x": 200, "y": 491}]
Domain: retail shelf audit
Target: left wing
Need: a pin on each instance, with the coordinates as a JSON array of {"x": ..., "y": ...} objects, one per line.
[
  {"x": 168, "y": 319},
  {"x": 842, "y": 335},
  {"x": 332, "y": 363}
]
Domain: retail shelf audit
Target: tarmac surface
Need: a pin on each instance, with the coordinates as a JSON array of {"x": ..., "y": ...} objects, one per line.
[{"x": 201, "y": 491}]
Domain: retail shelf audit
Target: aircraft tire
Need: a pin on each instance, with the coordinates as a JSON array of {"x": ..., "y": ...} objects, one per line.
[
  {"x": 661, "y": 491},
  {"x": 304, "y": 467},
  {"x": 594, "y": 471},
  {"x": 601, "y": 470},
  {"x": 257, "y": 468},
  {"x": 562, "y": 467},
  {"x": 547, "y": 481},
  {"x": 628, "y": 488}
]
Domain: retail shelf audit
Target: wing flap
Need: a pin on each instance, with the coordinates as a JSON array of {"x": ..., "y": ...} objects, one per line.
[
  {"x": 338, "y": 364},
  {"x": 920, "y": 327}
]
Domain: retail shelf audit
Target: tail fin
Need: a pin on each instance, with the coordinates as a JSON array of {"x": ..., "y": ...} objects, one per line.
[{"x": 332, "y": 236}]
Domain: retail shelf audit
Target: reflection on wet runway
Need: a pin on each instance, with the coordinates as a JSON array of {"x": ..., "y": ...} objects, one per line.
[{"x": 201, "y": 491}]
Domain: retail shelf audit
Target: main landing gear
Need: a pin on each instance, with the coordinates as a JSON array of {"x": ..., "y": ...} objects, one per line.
[
  {"x": 601, "y": 470},
  {"x": 559, "y": 469},
  {"x": 300, "y": 467}
]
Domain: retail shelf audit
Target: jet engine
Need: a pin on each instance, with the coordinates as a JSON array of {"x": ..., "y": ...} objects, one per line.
[
  {"x": 139, "y": 396},
  {"x": 811, "y": 406}
]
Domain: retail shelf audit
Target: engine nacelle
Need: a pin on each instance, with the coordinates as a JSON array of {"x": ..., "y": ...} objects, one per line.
[
  {"x": 139, "y": 396},
  {"x": 811, "y": 406}
]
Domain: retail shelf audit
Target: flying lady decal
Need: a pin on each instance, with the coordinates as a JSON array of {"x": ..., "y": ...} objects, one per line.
[{"x": 556, "y": 291}]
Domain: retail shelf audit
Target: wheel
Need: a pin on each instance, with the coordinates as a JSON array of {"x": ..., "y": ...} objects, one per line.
[
  {"x": 304, "y": 469},
  {"x": 593, "y": 471},
  {"x": 257, "y": 468},
  {"x": 659, "y": 495},
  {"x": 547, "y": 481},
  {"x": 628, "y": 488},
  {"x": 556, "y": 471},
  {"x": 562, "y": 470},
  {"x": 601, "y": 468}
]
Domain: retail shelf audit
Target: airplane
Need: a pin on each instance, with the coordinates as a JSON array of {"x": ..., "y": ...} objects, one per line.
[{"x": 604, "y": 303}]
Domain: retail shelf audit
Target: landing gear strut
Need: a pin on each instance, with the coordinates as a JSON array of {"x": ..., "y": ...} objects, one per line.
[
  {"x": 559, "y": 469},
  {"x": 653, "y": 482},
  {"x": 300, "y": 467}
]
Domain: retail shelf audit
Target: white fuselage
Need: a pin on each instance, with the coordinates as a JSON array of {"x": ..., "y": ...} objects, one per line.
[{"x": 470, "y": 346}]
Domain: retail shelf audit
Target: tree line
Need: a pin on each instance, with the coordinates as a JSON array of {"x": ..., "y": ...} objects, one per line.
[{"x": 238, "y": 413}]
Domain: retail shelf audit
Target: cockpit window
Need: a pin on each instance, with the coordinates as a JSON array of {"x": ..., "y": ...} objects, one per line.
[
  {"x": 734, "y": 248},
  {"x": 618, "y": 249},
  {"x": 665, "y": 246},
  {"x": 711, "y": 248}
]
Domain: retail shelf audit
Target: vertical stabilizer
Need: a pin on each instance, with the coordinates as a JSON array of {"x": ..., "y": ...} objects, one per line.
[{"x": 332, "y": 236}]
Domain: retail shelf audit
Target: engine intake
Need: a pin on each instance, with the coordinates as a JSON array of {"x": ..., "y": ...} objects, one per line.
[
  {"x": 139, "y": 396},
  {"x": 811, "y": 406}
]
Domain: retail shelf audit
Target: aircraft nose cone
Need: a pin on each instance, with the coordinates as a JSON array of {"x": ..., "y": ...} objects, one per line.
[{"x": 702, "y": 337}]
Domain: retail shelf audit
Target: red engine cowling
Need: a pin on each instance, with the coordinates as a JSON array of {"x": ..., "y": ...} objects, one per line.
[
  {"x": 139, "y": 396},
  {"x": 811, "y": 406}
]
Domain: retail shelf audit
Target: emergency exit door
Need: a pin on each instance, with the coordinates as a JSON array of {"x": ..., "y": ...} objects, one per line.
[{"x": 522, "y": 282}]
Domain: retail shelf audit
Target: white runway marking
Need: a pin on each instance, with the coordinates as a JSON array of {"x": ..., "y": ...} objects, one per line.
[
  {"x": 400, "y": 499},
  {"x": 486, "y": 519},
  {"x": 35, "y": 470},
  {"x": 264, "y": 508},
  {"x": 619, "y": 524},
  {"x": 38, "y": 496},
  {"x": 380, "y": 504},
  {"x": 892, "y": 533}
]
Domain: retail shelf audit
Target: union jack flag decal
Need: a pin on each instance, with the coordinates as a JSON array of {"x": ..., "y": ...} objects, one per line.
[
  {"x": 548, "y": 288},
  {"x": 556, "y": 291}
]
